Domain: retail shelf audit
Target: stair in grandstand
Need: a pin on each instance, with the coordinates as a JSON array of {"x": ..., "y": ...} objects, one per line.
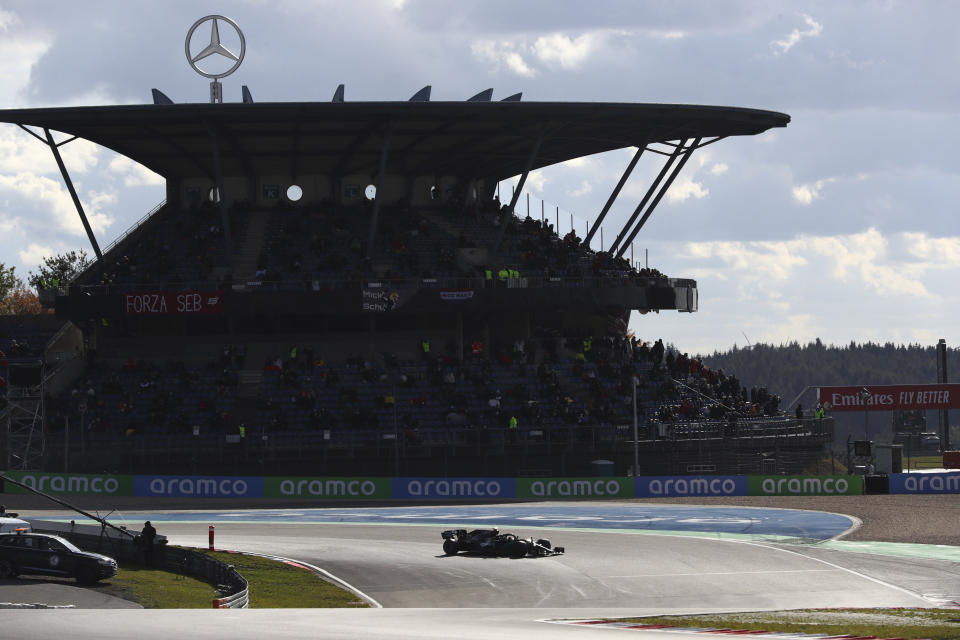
[
  {"x": 250, "y": 244},
  {"x": 250, "y": 381}
]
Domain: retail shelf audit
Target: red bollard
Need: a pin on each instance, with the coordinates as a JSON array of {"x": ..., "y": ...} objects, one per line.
[{"x": 211, "y": 538}]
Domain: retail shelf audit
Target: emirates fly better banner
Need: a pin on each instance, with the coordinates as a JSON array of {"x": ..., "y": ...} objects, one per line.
[{"x": 890, "y": 397}]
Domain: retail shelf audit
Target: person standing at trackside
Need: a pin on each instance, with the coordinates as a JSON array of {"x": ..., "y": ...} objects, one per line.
[
  {"x": 147, "y": 535},
  {"x": 799, "y": 411},
  {"x": 819, "y": 413}
]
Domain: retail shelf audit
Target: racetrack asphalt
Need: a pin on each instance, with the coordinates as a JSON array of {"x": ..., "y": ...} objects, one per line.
[{"x": 404, "y": 566}]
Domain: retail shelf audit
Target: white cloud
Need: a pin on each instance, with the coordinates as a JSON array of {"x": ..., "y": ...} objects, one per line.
[
  {"x": 576, "y": 163},
  {"x": 22, "y": 153},
  {"x": 536, "y": 180},
  {"x": 864, "y": 257},
  {"x": 787, "y": 43},
  {"x": 860, "y": 259},
  {"x": 584, "y": 188},
  {"x": 807, "y": 193},
  {"x": 504, "y": 53},
  {"x": 559, "y": 48},
  {"x": 719, "y": 169},
  {"x": 35, "y": 253},
  {"x": 134, "y": 174},
  {"x": 759, "y": 261},
  {"x": 669, "y": 35},
  {"x": 20, "y": 49},
  {"x": 937, "y": 253},
  {"x": 683, "y": 188},
  {"x": 48, "y": 195}
]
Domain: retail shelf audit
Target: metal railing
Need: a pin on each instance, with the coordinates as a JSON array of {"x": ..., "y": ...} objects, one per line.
[
  {"x": 124, "y": 546},
  {"x": 388, "y": 437},
  {"x": 310, "y": 283},
  {"x": 94, "y": 264}
]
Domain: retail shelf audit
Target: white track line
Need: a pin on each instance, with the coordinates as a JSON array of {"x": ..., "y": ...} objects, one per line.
[{"x": 343, "y": 583}]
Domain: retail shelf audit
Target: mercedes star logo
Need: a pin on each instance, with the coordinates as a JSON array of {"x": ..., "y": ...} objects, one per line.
[{"x": 215, "y": 47}]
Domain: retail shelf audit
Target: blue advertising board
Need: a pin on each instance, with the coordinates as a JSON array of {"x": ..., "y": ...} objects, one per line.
[
  {"x": 198, "y": 486},
  {"x": 925, "y": 483},
  {"x": 677, "y": 486},
  {"x": 444, "y": 488}
]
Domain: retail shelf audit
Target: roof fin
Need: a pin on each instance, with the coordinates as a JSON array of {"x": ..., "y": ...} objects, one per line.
[
  {"x": 514, "y": 98},
  {"x": 338, "y": 94},
  {"x": 484, "y": 96},
  {"x": 247, "y": 98},
  {"x": 159, "y": 97},
  {"x": 422, "y": 96}
]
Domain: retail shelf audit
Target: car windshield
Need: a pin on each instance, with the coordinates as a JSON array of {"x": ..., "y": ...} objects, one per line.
[{"x": 66, "y": 543}]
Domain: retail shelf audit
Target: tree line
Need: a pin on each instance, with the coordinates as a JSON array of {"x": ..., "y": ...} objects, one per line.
[
  {"x": 19, "y": 298},
  {"x": 787, "y": 369}
]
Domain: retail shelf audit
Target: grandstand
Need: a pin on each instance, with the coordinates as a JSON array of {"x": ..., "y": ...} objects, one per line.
[{"x": 337, "y": 289}]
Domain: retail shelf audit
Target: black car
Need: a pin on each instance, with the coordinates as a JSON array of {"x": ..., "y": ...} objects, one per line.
[
  {"x": 490, "y": 542},
  {"x": 48, "y": 555}
]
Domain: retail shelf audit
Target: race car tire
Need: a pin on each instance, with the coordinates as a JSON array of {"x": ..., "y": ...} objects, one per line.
[
  {"x": 519, "y": 549},
  {"x": 451, "y": 547},
  {"x": 6, "y": 570},
  {"x": 543, "y": 542}
]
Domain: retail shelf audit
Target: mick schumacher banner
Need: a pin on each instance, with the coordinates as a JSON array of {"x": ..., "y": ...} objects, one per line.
[
  {"x": 890, "y": 397},
  {"x": 145, "y": 303}
]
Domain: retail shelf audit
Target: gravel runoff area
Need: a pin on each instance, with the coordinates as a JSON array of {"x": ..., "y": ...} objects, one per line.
[{"x": 923, "y": 519}]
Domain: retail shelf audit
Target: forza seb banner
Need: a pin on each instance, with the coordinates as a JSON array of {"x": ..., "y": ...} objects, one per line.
[
  {"x": 890, "y": 397},
  {"x": 144, "y": 303},
  {"x": 675, "y": 486},
  {"x": 326, "y": 487},
  {"x": 806, "y": 485},
  {"x": 925, "y": 483},
  {"x": 70, "y": 484},
  {"x": 440, "y": 488},
  {"x": 575, "y": 487},
  {"x": 198, "y": 486}
]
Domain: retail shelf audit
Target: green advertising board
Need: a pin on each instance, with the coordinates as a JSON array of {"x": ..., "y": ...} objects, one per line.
[
  {"x": 575, "y": 487},
  {"x": 340, "y": 488},
  {"x": 805, "y": 485},
  {"x": 70, "y": 484}
]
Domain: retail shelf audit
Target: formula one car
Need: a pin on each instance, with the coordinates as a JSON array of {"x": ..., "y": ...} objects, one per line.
[{"x": 490, "y": 542}]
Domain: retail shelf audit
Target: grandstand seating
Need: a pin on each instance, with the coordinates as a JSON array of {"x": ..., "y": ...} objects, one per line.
[{"x": 178, "y": 249}]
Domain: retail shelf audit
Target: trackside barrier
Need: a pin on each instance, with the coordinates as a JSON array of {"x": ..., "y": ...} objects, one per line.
[
  {"x": 125, "y": 548},
  {"x": 367, "y": 488},
  {"x": 925, "y": 483},
  {"x": 679, "y": 486},
  {"x": 805, "y": 485}
]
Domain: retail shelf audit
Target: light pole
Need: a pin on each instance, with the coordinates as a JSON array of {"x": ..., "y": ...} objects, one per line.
[
  {"x": 636, "y": 442},
  {"x": 865, "y": 395},
  {"x": 396, "y": 431}
]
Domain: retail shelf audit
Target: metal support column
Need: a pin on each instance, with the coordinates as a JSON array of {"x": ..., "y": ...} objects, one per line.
[
  {"x": 613, "y": 196},
  {"x": 384, "y": 153},
  {"x": 221, "y": 196},
  {"x": 516, "y": 192},
  {"x": 942, "y": 378},
  {"x": 646, "y": 197},
  {"x": 663, "y": 191},
  {"x": 54, "y": 147}
]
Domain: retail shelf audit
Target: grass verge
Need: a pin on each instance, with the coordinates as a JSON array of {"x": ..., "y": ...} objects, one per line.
[
  {"x": 932, "y": 624},
  {"x": 273, "y": 584},
  {"x": 158, "y": 589}
]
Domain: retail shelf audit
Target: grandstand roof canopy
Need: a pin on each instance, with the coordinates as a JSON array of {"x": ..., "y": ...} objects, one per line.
[{"x": 474, "y": 139}]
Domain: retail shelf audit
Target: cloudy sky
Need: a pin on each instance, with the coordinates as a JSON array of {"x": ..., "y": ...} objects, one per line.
[{"x": 842, "y": 226}]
